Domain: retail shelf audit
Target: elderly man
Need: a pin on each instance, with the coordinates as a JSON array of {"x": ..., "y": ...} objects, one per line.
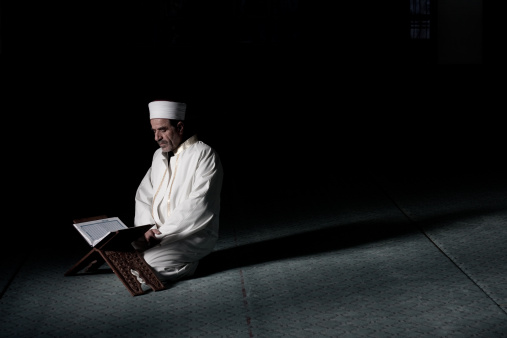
[{"x": 180, "y": 194}]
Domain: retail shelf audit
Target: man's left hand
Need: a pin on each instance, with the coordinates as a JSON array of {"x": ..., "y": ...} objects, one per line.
[{"x": 150, "y": 236}]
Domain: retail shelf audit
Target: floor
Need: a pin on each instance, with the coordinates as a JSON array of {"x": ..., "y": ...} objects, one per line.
[{"x": 384, "y": 256}]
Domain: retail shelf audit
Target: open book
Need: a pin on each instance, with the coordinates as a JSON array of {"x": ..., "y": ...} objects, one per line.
[{"x": 94, "y": 232}]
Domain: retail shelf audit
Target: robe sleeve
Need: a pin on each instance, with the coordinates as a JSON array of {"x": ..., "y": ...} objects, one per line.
[
  {"x": 144, "y": 197},
  {"x": 201, "y": 207}
]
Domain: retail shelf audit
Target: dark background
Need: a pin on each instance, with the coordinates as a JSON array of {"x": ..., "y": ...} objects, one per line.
[{"x": 292, "y": 101}]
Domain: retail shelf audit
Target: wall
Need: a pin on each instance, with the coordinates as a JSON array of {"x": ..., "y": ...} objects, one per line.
[{"x": 460, "y": 31}]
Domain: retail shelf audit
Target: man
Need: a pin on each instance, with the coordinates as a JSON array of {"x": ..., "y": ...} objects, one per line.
[{"x": 180, "y": 194}]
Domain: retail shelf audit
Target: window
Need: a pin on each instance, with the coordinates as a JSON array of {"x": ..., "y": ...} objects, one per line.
[{"x": 420, "y": 19}]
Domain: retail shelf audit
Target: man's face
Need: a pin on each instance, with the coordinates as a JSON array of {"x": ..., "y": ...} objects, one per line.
[{"x": 167, "y": 136}]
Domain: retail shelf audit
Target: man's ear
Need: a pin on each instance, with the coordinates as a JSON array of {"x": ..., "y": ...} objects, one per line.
[{"x": 180, "y": 127}]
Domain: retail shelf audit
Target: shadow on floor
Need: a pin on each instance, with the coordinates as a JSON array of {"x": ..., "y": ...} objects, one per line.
[{"x": 324, "y": 240}]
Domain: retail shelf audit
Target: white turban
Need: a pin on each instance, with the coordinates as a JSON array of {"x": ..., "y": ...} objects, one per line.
[{"x": 167, "y": 110}]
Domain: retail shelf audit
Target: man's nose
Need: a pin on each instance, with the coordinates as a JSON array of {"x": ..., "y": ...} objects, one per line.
[{"x": 157, "y": 136}]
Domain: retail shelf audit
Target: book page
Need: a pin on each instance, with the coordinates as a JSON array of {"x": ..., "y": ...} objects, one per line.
[{"x": 94, "y": 231}]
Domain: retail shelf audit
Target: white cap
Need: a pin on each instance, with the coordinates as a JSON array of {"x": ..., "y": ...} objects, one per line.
[{"x": 167, "y": 110}]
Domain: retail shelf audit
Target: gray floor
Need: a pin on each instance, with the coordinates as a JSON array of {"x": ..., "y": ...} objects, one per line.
[{"x": 383, "y": 257}]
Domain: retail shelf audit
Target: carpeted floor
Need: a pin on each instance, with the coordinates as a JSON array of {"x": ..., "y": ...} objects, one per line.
[{"x": 380, "y": 257}]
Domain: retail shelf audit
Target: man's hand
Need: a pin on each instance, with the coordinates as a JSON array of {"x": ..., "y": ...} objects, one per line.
[{"x": 150, "y": 236}]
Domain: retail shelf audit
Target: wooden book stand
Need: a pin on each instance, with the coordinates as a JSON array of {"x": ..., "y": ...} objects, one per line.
[{"x": 117, "y": 252}]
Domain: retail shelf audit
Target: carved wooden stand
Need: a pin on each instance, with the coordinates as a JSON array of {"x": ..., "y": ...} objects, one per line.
[{"x": 117, "y": 252}]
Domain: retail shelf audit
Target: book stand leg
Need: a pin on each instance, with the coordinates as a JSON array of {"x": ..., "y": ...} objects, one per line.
[
  {"x": 121, "y": 262},
  {"x": 89, "y": 263}
]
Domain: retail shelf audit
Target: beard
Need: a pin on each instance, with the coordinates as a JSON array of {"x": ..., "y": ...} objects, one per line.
[{"x": 164, "y": 146}]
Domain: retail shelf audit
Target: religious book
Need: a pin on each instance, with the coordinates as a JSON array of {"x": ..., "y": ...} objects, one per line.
[{"x": 98, "y": 231}]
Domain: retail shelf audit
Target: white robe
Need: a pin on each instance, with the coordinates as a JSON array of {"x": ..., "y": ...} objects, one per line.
[{"x": 183, "y": 201}]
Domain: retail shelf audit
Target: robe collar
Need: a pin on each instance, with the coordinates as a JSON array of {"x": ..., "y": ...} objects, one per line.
[
  {"x": 182, "y": 147},
  {"x": 190, "y": 141}
]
